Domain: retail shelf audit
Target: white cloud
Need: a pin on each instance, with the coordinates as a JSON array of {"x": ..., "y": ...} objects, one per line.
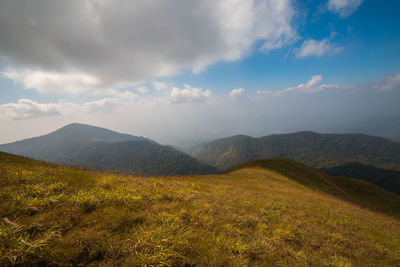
[
  {"x": 317, "y": 48},
  {"x": 80, "y": 45},
  {"x": 189, "y": 94},
  {"x": 312, "y": 86},
  {"x": 99, "y": 105},
  {"x": 344, "y": 7},
  {"x": 313, "y": 81},
  {"x": 237, "y": 92},
  {"x": 160, "y": 86},
  {"x": 52, "y": 82},
  {"x": 29, "y": 109},
  {"x": 391, "y": 82},
  {"x": 26, "y": 109}
]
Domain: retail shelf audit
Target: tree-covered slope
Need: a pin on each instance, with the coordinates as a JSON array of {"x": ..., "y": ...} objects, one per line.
[
  {"x": 137, "y": 158},
  {"x": 58, "y": 145},
  {"x": 101, "y": 149},
  {"x": 252, "y": 216},
  {"x": 317, "y": 150},
  {"x": 387, "y": 179}
]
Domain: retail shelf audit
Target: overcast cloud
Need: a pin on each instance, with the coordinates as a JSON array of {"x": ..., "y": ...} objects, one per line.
[{"x": 79, "y": 45}]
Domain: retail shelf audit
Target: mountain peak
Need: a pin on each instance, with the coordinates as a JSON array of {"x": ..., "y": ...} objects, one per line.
[
  {"x": 105, "y": 150},
  {"x": 85, "y": 132}
]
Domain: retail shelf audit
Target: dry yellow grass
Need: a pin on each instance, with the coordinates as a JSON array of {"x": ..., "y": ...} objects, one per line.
[{"x": 253, "y": 216}]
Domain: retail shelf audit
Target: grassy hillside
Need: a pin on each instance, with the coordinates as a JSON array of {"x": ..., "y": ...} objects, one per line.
[
  {"x": 266, "y": 213},
  {"x": 313, "y": 149},
  {"x": 355, "y": 191}
]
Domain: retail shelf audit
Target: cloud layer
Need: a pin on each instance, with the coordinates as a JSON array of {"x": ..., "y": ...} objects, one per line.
[
  {"x": 164, "y": 116},
  {"x": 78, "y": 45}
]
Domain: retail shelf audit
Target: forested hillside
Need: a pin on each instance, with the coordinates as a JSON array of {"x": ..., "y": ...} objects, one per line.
[
  {"x": 317, "y": 150},
  {"x": 100, "y": 149}
]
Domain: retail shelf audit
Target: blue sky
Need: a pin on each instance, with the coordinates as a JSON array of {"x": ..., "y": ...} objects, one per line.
[
  {"x": 370, "y": 38},
  {"x": 199, "y": 70}
]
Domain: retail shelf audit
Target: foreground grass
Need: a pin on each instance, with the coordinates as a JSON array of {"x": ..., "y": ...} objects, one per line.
[{"x": 252, "y": 216}]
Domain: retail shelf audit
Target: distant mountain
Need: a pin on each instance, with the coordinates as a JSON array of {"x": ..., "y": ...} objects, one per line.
[
  {"x": 317, "y": 150},
  {"x": 387, "y": 179},
  {"x": 387, "y": 127},
  {"x": 101, "y": 149}
]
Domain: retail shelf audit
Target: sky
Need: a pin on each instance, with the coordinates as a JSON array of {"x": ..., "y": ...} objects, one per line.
[{"x": 182, "y": 72}]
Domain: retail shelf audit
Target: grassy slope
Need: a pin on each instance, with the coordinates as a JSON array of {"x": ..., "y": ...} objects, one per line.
[{"x": 258, "y": 215}]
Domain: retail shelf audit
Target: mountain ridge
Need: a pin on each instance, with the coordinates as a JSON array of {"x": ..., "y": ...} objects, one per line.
[
  {"x": 317, "y": 150},
  {"x": 91, "y": 147}
]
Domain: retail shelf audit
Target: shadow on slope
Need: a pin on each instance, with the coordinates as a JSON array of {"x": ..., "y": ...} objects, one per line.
[
  {"x": 359, "y": 192},
  {"x": 385, "y": 178}
]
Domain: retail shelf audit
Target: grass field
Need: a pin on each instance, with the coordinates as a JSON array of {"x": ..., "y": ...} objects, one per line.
[{"x": 265, "y": 213}]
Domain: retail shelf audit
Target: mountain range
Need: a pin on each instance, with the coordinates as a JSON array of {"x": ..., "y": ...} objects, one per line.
[
  {"x": 313, "y": 149},
  {"x": 387, "y": 127},
  {"x": 105, "y": 150},
  {"x": 377, "y": 159},
  {"x": 373, "y": 159}
]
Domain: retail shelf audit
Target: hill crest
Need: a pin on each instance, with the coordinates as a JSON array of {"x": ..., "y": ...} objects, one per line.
[{"x": 54, "y": 215}]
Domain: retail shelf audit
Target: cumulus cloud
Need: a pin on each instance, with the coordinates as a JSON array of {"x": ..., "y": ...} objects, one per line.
[
  {"x": 78, "y": 45},
  {"x": 99, "y": 105},
  {"x": 29, "y": 109},
  {"x": 52, "y": 82},
  {"x": 189, "y": 94},
  {"x": 317, "y": 48},
  {"x": 26, "y": 109},
  {"x": 237, "y": 92},
  {"x": 312, "y": 86},
  {"x": 344, "y": 7}
]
